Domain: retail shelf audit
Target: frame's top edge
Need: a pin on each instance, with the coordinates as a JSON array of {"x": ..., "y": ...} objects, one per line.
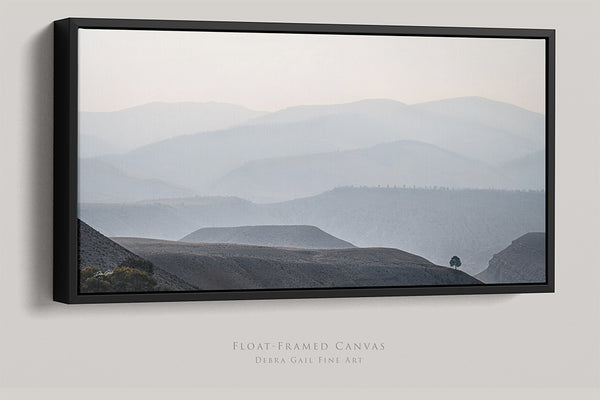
[{"x": 301, "y": 27}]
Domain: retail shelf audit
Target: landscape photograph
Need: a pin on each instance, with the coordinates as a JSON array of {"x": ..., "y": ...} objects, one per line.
[{"x": 222, "y": 161}]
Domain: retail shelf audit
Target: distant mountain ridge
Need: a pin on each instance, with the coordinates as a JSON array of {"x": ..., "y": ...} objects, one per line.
[
  {"x": 287, "y": 236},
  {"x": 196, "y": 161},
  {"x": 401, "y": 163},
  {"x": 530, "y": 170},
  {"x": 137, "y": 126},
  {"x": 368, "y": 107},
  {"x": 491, "y": 113},
  {"x": 104, "y": 183},
  {"x": 481, "y": 130}
]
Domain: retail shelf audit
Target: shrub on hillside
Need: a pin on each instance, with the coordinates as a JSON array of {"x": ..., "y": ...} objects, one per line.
[
  {"x": 92, "y": 280},
  {"x": 138, "y": 263},
  {"x": 120, "y": 279},
  {"x": 125, "y": 279}
]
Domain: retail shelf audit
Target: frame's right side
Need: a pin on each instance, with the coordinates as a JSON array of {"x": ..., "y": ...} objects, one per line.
[{"x": 550, "y": 155}]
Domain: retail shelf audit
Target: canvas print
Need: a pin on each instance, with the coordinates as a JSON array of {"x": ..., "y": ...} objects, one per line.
[{"x": 214, "y": 161}]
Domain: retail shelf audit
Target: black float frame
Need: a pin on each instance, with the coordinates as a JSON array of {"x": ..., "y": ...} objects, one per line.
[{"x": 66, "y": 173}]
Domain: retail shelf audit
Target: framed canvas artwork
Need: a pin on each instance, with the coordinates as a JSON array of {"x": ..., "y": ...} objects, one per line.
[{"x": 200, "y": 160}]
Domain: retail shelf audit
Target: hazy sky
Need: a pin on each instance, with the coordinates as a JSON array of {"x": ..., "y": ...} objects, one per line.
[{"x": 120, "y": 69}]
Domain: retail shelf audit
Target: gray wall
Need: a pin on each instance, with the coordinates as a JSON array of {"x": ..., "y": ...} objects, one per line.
[{"x": 524, "y": 345}]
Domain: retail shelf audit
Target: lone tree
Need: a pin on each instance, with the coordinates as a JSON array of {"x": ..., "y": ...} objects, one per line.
[{"x": 455, "y": 262}]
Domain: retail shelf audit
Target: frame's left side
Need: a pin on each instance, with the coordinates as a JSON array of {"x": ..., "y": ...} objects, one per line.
[{"x": 65, "y": 161}]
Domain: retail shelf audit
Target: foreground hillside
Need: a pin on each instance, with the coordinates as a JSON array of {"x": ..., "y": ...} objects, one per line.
[
  {"x": 230, "y": 266},
  {"x": 296, "y": 236},
  {"x": 524, "y": 261},
  {"x": 435, "y": 223},
  {"x": 96, "y": 250}
]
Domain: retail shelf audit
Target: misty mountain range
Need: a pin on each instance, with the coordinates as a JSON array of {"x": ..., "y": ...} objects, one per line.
[
  {"x": 433, "y": 223},
  {"x": 461, "y": 176},
  {"x": 101, "y": 182},
  {"x": 124, "y": 130},
  {"x": 402, "y": 163},
  {"x": 221, "y": 149}
]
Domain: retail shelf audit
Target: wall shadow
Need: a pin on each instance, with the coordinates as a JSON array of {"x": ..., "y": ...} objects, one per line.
[{"x": 39, "y": 100}]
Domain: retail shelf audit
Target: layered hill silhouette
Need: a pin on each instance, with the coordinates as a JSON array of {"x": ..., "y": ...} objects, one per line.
[
  {"x": 475, "y": 110},
  {"x": 435, "y": 223},
  {"x": 476, "y": 129},
  {"x": 127, "y": 129},
  {"x": 287, "y": 236},
  {"x": 96, "y": 250},
  {"x": 492, "y": 114},
  {"x": 524, "y": 261},
  {"x": 104, "y": 183},
  {"x": 529, "y": 170},
  {"x": 232, "y": 266},
  {"x": 93, "y": 146},
  {"x": 197, "y": 161},
  {"x": 402, "y": 163}
]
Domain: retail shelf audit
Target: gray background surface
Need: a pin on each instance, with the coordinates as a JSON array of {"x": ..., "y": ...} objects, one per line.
[{"x": 524, "y": 346}]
